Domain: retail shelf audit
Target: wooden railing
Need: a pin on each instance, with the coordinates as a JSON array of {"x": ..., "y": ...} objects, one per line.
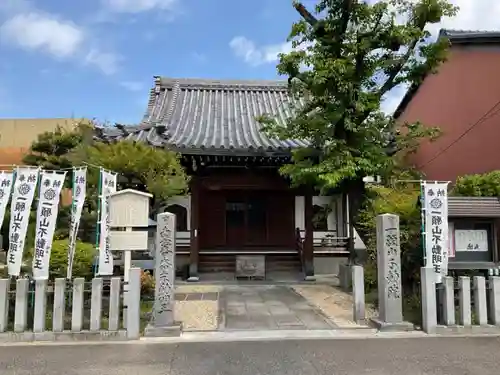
[{"x": 325, "y": 239}]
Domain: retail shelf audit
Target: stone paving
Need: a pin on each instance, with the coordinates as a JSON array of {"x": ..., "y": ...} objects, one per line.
[
  {"x": 264, "y": 307},
  {"x": 268, "y": 308}
]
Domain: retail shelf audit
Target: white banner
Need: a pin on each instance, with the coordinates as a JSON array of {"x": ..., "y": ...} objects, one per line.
[
  {"x": 79, "y": 192},
  {"x": 51, "y": 184},
  {"x": 108, "y": 186},
  {"x": 22, "y": 199},
  {"x": 6, "y": 183},
  {"x": 436, "y": 227}
]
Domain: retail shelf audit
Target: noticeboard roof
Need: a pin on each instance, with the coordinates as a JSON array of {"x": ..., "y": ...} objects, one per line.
[{"x": 485, "y": 207}]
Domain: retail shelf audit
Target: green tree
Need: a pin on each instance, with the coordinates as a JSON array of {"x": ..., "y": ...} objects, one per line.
[
  {"x": 52, "y": 150},
  {"x": 347, "y": 58},
  {"x": 138, "y": 165}
]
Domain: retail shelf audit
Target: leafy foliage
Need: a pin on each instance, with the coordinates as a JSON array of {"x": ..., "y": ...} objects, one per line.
[
  {"x": 478, "y": 185},
  {"x": 347, "y": 58},
  {"x": 139, "y": 166},
  {"x": 52, "y": 150},
  {"x": 401, "y": 200},
  {"x": 82, "y": 265},
  {"x": 147, "y": 283},
  {"x": 155, "y": 170}
]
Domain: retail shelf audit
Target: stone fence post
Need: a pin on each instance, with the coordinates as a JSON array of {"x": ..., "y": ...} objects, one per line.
[
  {"x": 358, "y": 293},
  {"x": 133, "y": 311},
  {"x": 428, "y": 295}
]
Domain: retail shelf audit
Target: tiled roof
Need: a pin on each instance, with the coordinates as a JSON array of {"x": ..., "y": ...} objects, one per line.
[
  {"x": 470, "y": 36},
  {"x": 218, "y": 115}
]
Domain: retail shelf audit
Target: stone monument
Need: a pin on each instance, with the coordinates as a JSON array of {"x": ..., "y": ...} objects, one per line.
[
  {"x": 163, "y": 323},
  {"x": 389, "y": 276}
]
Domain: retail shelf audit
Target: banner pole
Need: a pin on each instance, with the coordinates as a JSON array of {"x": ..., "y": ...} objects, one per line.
[
  {"x": 69, "y": 274},
  {"x": 422, "y": 220},
  {"x": 98, "y": 228}
]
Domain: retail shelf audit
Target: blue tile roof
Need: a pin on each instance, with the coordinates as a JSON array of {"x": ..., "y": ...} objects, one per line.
[{"x": 203, "y": 114}]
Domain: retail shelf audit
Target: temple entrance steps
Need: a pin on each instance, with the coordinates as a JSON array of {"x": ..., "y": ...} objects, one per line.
[
  {"x": 283, "y": 263},
  {"x": 215, "y": 263},
  {"x": 277, "y": 261}
]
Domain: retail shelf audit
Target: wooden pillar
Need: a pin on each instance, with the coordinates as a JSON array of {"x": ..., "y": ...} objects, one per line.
[
  {"x": 349, "y": 227},
  {"x": 309, "y": 240},
  {"x": 194, "y": 253}
]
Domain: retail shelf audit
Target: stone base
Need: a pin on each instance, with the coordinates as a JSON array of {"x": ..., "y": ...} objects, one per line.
[
  {"x": 467, "y": 330},
  {"x": 165, "y": 331},
  {"x": 392, "y": 327},
  {"x": 193, "y": 279},
  {"x": 65, "y": 336},
  {"x": 310, "y": 278}
]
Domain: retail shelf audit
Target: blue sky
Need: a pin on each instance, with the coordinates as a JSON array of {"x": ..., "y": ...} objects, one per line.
[{"x": 97, "y": 58}]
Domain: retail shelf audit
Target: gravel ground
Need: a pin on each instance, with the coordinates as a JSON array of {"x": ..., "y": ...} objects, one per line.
[
  {"x": 333, "y": 302},
  {"x": 197, "y": 315}
]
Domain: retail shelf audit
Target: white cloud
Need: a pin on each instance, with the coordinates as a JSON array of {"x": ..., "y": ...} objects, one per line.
[
  {"x": 33, "y": 30},
  {"x": 254, "y": 55},
  {"x": 107, "y": 62},
  {"x": 139, "y": 6},
  {"x": 132, "y": 85}
]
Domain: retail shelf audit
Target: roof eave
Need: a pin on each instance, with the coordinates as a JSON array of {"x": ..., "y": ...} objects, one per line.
[{"x": 231, "y": 152}]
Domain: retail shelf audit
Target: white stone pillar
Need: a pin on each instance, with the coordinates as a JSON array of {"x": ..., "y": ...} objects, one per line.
[
  {"x": 134, "y": 305},
  {"x": 358, "y": 293},
  {"x": 428, "y": 295},
  {"x": 448, "y": 301},
  {"x": 480, "y": 305},
  {"x": 465, "y": 315}
]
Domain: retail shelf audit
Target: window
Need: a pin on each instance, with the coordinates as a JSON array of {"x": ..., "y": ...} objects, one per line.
[
  {"x": 320, "y": 218},
  {"x": 180, "y": 215}
]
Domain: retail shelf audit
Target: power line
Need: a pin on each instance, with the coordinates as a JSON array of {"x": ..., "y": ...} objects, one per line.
[{"x": 487, "y": 115}]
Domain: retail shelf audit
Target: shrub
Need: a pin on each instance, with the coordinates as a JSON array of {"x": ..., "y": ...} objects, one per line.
[
  {"x": 147, "y": 283},
  {"x": 82, "y": 264},
  {"x": 478, "y": 185},
  {"x": 400, "y": 200}
]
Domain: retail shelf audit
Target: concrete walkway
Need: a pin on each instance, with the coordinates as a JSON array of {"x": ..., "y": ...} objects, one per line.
[{"x": 263, "y": 307}]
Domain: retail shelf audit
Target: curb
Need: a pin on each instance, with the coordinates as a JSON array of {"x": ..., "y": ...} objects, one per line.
[{"x": 264, "y": 336}]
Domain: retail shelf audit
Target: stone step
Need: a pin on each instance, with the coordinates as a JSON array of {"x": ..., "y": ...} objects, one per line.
[{"x": 227, "y": 263}]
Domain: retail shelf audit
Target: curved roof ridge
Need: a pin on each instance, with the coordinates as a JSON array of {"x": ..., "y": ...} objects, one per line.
[{"x": 223, "y": 84}]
